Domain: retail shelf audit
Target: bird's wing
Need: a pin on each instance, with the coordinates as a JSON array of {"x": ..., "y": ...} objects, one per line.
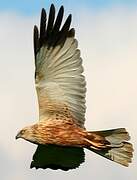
[
  {"x": 57, "y": 157},
  {"x": 58, "y": 76}
]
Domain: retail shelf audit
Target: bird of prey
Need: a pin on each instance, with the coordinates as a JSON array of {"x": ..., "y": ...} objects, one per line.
[{"x": 60, "y": 84}]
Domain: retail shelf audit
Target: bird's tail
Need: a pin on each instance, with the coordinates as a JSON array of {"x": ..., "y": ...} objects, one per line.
[{"x": 112, "y": 144}]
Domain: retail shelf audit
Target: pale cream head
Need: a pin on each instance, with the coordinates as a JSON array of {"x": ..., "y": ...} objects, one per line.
[{"x": 26, "y": 133}]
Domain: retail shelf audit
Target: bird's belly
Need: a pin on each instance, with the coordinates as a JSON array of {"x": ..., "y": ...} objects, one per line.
[
  {"x": 68, "y": 135},
  {"x": 67, "y": 139}
]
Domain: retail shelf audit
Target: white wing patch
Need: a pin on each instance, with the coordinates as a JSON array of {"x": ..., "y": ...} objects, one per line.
[{"x": 59, "y": 79}]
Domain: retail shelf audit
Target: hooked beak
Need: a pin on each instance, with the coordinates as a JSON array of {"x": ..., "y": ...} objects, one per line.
[{"x": 18, "y": 136}]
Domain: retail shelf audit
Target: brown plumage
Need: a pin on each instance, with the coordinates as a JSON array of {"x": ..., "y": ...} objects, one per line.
[{"x": 61, "y": 92}]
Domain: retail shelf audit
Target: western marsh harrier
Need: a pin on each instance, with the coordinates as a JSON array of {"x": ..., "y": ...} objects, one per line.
[{"x": 60, "y": 133}]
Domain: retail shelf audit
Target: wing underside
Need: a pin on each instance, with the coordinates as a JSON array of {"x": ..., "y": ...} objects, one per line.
[{"x": 59, "y": 80}]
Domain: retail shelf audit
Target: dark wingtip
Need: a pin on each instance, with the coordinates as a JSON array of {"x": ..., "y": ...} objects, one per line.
[
  {"x": 43, "y": 15},
  {"x": 62, "y": 8},
  {"x": 67, "y": 23},
  {"x": 51, "y": 32},
  {"x": 35, "y": 28},
  {"x": 70, "y": 17},
  {"x": 58, "y": 21},
  {"x": 52, "y": 7},
  {"x": 43, "y": 26},
  {"x": 35, "y": 39},
  {"x": 61, "y": 11},
  {"x": 43, "y": 11},
  {"x": 35, "y": 33},
  {"x": 72, "y": 32}
]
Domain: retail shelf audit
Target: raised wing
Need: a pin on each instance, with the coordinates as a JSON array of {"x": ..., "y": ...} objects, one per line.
[{"x": 59, "y": 81}]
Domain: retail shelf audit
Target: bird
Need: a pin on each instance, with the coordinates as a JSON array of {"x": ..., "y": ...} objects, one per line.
[{"x": 60, "y": 84}]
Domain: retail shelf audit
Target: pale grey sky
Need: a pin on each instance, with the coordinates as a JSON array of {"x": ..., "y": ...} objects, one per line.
[{"x": 108, "y": 43}]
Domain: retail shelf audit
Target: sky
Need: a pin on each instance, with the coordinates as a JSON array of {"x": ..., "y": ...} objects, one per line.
[
  {"x": 31, "y": 7},
  {"x": 107, "y": 36}
]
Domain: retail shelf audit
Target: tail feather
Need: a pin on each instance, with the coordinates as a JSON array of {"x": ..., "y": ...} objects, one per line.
[{"x": 116, "y": 147}]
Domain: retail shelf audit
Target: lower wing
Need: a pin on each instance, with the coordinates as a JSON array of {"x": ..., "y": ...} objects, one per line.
[{"x": 57, "y": 157}]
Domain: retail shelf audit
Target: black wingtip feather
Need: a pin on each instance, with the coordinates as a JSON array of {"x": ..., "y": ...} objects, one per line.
[
  {"x": 43, "y": 25},
  {"x": 52, "y": 33},
  {"x": 66, "y": 25},
  {"x": 51, "y": 19},
  {"x": 71, "y": 32},
  {"x": 43, "y": 11},
  {"x": 52, "y": 6},
  {"x": 36, "y": 39},
  {"x": 58, "y": 20}
]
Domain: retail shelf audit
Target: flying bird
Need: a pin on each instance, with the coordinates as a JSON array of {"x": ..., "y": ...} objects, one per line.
[{"x": 60, "y": 84}]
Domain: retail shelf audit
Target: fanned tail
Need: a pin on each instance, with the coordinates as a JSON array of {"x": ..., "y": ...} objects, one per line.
[{"x": 112, "y": 144}]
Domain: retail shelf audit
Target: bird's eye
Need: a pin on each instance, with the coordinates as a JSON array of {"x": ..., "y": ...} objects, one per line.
[{"x": 22, "y": 131}]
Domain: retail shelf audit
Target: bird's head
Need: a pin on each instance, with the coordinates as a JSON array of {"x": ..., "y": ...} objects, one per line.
[{"x": 27, "y": 133}]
